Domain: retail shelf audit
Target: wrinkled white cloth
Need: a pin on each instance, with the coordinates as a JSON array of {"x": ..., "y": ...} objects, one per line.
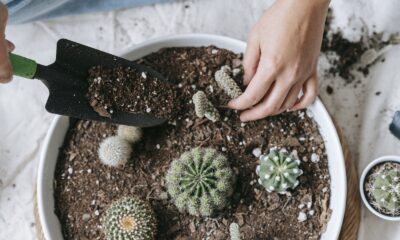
[{"x": 24, "y": 122}]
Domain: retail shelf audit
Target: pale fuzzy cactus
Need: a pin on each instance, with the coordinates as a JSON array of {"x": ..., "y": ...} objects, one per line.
[
  {"x": 225, "y": 82},
  {"x": 114, "y": 151},
  {"x": 130, "y": 134},
  {"x": 200, "y": 181},
  {"x": 385, "y": 190},
  {"x": 130, "y": 219},
  {"x": 278, "y": 171},
  {"x": 234, "y": 231},
  {"x": 204, "y": 108}
]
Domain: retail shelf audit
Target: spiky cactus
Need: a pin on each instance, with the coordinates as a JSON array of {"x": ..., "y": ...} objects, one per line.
[
  {"x": 130, "y": 219},
  {"x": 200, "y": 181},
  {"x": 204, "y": 108},
  {"x": 385, "y": 190},
  {"x": 130, "y": 134},
  {"x": 234, "y": 231},
  {"x": 114, "y": 151},
  {"x": 278, "y": 171},
  {"x": 227, "y": 84}
]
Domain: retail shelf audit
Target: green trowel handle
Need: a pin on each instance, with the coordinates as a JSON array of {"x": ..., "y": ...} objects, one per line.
[{"x": 23, "y": 67}]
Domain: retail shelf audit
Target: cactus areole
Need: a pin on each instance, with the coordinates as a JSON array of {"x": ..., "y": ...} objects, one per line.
[
  {"x": 200, "y": 181},
  {"x": 278, "y": 171}
]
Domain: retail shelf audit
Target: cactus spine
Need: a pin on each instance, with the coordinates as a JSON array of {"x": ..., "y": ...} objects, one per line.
[
  {"x": 200, "y": 181},
  {"x": 278, "y": 171}
]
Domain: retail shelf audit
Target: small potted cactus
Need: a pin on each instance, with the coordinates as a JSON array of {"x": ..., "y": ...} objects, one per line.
[{"x": 380, "y": 187}]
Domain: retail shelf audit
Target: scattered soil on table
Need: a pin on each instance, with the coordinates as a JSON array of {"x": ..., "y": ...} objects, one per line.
[
  {"x": 345, "y": 56},
  {"x": 84, "y": 187},
  {"x": 369, "y": 182},
  {"x": 128, "y": 90}
]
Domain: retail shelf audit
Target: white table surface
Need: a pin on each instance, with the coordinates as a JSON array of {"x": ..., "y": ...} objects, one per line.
[{"x": 24, "y": 122}]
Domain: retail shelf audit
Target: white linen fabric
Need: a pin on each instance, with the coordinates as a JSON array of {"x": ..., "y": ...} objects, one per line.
[{"x": 24, "y": 121}]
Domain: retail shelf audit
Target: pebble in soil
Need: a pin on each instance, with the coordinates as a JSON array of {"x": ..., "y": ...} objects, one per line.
[{"x": 91, "y": 187}]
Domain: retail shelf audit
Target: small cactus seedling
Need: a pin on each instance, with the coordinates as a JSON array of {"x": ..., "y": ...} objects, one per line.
[
  {"x": 234, "y": 231},
  {"x": 130, "y": 134},
  {"x": 225, "y": 82},
  {"x": 200, "y": 181},
  {"x": 278, "y": 171},
  {"x": 130, "y": 219},
  {"x": 114, "y": 151},
  {"x": 204, "y": 108},
  {"x": 385, "y": 190}
]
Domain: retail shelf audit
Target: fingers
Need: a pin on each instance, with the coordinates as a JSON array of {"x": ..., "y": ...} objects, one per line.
[
  {"x": 5, "y": 65},
  {"x": 270, "y": 105},
  {"x": 10, "y": 46},
  {"x": 256, "y": 90},
  {"x": 292, "y": 97},
  {"x": 310, "y": 90},
  {"x": 251, "y": 59},
  {"x": 5, "y": 47}
]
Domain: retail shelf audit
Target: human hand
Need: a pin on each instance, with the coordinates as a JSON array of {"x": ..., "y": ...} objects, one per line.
[
  {"x": 5, "y": 48},
  {"x": 281, "y": 59}
]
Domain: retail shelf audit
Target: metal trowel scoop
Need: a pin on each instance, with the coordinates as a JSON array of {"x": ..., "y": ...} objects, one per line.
[{"x": 67, "y": 82}]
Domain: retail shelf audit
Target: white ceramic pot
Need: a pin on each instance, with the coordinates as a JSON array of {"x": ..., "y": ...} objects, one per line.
[
  {"x": 362, "y": 181},
  {"x": 59, "y": 127}
]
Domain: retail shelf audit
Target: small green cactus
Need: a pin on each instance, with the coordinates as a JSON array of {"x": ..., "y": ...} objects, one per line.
[
  {"x": 278, "y": 171},
  {"x": 385, "y": 190},
  {"x": 204, "y": 108},
  {"x": 130, "y": 134},
  {"x": 225, "y": 82},
  {"x": 234, "y": 231},
  {"x": 114, "y": 151},
  {"x": 130, "y": 219},
  {"x": 200, "y": 181}
]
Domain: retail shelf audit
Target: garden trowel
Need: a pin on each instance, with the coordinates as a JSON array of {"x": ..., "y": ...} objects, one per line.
[{"x": 67, "y": 82}]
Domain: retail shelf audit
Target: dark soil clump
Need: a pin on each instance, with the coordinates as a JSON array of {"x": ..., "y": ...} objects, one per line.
[
  {"x": 84, "y": 187},
  {"x": 127, "y": 90},
  {"x": 345, "y": 56}
]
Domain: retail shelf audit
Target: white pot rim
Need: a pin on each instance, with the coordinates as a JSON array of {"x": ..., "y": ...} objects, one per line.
[
  {"x": 380, "y": 160},
  {"x": 50, "y": 225}
]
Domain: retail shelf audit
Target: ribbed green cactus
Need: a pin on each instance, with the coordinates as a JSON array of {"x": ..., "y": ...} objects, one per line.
[
  {"x": 200, "y": 181},
  {"x": 224, "y": 81},
  {"x": 130, "y": 219},
  {"x": 204, "y": 107},
  {"x": 278, "y": 171},
  {"x": 385, "y": 191}
]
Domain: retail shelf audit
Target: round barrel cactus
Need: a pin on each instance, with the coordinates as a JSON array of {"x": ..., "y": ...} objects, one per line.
[
  {"x": 200, "y": 181},
  {"x": 278, "y": 171},
  {"x": 130, "y": 219},
  {"x": 385, "y": 191}
]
